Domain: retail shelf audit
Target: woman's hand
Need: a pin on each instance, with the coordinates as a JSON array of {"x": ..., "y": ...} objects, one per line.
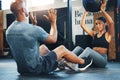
[
  {"x": 103, "y": 5},
  {"x": 83, "y": 25},
  {"x": 85, "y": 12},
  {"x": 83, "y": 18}
]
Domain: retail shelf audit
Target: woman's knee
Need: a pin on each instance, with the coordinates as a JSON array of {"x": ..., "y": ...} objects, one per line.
[
  {"x": 88, "y": 48},
  {"x": 78, "y": 50},
  {"x": 79, "y": 47}
]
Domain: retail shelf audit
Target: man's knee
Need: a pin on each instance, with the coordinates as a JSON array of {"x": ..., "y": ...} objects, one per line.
[
  {"x": 62, "y": 47},
  {"x": 43, "y": 50},
  {"x": 42, "y": 46},
  {"x": 60, "y": 51}
]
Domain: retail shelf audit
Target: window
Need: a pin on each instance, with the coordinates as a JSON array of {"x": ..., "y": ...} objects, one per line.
[
  {"x": 30, "y": 3},
  {"x": 67, "y": 0},
  {"x": 41, "y": 2},
  {"x": 6, "y": 4}
]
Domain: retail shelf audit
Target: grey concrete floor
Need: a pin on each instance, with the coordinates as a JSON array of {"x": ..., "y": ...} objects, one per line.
[{"x": 8, "y": 71}]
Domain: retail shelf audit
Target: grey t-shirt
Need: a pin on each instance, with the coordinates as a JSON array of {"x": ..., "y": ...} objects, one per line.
[{"x": 24, "y": 40}]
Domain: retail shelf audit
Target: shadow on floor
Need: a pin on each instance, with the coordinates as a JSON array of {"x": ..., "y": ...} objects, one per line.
[{"x": 8, "y": 71}]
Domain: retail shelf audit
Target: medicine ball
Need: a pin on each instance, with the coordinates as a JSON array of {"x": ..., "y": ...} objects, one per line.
[{"x": 92, "y": 5}]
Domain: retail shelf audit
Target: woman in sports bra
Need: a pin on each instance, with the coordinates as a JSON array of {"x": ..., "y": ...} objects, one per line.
[{"x": 101, "y": 39}]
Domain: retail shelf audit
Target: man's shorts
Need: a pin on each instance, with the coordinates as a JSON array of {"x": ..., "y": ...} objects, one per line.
[{"x": 49, "y": 62}]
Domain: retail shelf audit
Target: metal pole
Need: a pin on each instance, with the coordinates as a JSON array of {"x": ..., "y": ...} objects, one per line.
[
  {"x": 0, "y": 4},
  {"x": 69, "y": 26}
]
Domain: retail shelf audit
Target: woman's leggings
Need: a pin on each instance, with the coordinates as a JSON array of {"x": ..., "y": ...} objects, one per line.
[{"x": 99, "y": 60}]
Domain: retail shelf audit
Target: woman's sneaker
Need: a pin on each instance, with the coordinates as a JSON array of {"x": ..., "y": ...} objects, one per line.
[{"x": 88, "y": 62}]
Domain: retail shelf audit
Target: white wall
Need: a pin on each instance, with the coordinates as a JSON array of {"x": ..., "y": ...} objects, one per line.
[{"x": 77, "y": 14}]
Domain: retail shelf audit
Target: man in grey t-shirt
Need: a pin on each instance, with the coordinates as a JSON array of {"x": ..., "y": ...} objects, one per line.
[{"x": 24, "y": 40}]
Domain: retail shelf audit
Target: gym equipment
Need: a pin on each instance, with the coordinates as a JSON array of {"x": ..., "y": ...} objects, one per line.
[
  {"x": 83, "y": 41},
  {"x": 92, "y": 5}
]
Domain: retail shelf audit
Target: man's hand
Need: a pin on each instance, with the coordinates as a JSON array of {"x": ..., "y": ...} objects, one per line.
[
  {"x": 33, "y": 18},
  {"x": 52, "y": 16}
]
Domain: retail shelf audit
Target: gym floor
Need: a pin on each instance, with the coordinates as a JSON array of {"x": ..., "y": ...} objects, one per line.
[{"x": 8, "y": 71}]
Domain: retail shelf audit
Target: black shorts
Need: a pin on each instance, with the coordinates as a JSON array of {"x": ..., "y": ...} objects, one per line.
[{"x": 49, "y": 62}]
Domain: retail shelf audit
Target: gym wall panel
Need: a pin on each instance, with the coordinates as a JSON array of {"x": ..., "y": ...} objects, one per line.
[
  {"x": 1, "y": 33},
  {"x": 1, "y": 19}
]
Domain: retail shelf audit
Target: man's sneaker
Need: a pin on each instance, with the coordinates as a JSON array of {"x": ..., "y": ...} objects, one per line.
[
  {"x": 71, "y": 66},
  {"x": 88, "y": 62},
  {"x": 61, "y": 64}
]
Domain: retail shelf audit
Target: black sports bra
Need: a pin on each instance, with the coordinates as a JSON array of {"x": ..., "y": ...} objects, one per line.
[{"x": 100, "y": 42}]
